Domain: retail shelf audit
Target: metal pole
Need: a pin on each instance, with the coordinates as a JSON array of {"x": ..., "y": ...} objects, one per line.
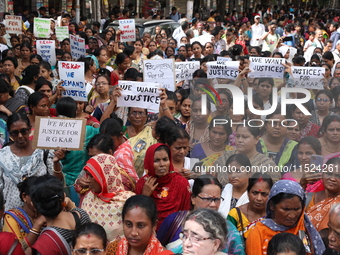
[{"x": 77, "y": 11}]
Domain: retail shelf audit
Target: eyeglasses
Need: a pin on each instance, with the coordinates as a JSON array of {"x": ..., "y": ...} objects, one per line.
[
  {"x": 192, "y": 238},
  {"x": 138, "y": 113},
  {"x": 102, "y": 83},
  {"x": 323, "y": 99},
  {"x": 211, "y": 199},
  {"x": 91, "y": 252},
  {"x": 23, "y": 131}
]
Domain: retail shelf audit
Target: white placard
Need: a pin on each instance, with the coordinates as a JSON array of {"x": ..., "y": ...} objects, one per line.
[
  {"x": 13, "y": 24},
  {"x": 42, "y": 28},
  {"x": 139, "y": 94},
  {"x": 185, "y": 70},
  {"x": 203, "y": 39},
  {"x": 77, "y": 47},
  {"x": 226, "y": 70},
  {"x": 62, "y": 33},
  {"x": 46, "y": 49},
  {"x": 72, "y": 75},
  {"x": 308, "y": 77},
  {"x": 127, "y": 27},
  {"x": 266, "y": 67},
  {"x": 55, "y": 133},
  {"x": 223, "y": 59},
  {"x": 161, "y": 71}
]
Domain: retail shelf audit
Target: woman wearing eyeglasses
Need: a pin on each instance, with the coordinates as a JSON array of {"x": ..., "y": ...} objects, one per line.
[
  {"x": 206, "y": 193},
  {"x": 91, "y": 239},
  {"x": 323, "y": 101},
  {"x": 204, "y": 233},
  {"x": 20, "y": 160},
  {"x": 102, "y": 88}
]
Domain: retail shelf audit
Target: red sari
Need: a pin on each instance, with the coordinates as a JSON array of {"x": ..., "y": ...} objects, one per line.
[{"x": 173, "y": 191}]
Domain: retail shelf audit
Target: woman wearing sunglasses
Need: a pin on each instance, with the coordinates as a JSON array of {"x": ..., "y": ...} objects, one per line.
[{"x": 20, "y": 160}]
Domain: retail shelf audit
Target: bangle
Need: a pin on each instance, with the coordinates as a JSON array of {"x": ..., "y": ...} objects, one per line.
[
  {"x": 164, "y": 109},
  {"x": 34, "y": 232},
  {"x": 57, "y": 172}
]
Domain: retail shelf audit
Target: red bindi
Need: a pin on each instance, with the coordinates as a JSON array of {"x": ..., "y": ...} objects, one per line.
[
  {"x": 88, "y": 236},
  {"x": 260, "y": 190}
]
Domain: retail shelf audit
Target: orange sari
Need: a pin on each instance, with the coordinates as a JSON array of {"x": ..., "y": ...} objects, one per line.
[
  {"x": 154, "y": 247},
  {"x": 319, "y": 213}
]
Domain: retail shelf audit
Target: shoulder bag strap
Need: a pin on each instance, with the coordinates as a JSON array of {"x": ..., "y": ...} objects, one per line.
[{"x": 76, "y": 218}]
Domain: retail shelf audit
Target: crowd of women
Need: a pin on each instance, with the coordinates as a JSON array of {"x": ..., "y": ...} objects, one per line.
[{"x": 133, "y": 188}]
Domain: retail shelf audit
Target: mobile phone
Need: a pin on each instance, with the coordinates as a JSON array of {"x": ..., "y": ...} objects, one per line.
[
  {"x": 316, "y": 161},
  {"x": 288, "y": 39}
]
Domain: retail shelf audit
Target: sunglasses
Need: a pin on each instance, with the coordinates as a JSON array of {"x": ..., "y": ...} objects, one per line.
[{"x": 23, "y": 131}]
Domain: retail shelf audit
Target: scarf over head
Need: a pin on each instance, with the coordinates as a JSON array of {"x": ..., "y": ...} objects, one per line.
[{"x": 294, "y": 188}]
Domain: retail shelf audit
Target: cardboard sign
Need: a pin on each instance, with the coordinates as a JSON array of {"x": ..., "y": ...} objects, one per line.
[
  {"x": 42, "y": 28},
  {"x": 203, "y": 39},
  {"x": 139, "y": 94},
  {"x": 266, "y": 67},
  {"x": 220, "y": 69},
  {"x": 55, "y": 133},
  {"x": 308, "y": 77},
  {"x": 160, "y": 71},
  {"x": 185, "y": 70},
  {"x": 62, "y": 33},
  {"x": 46, "y": 49},
  {"x": 72, "y": 75},
  {"x": 13, "y": 24},
  {"x": 127, "y": 26},
  {"x": 77, "y": 47}
]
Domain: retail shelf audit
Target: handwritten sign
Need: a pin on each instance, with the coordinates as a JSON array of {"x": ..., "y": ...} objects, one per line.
[
  {"x": 42, "y": 28},
  {"x": 223, "y": 59},
  {"x": 203, "y": 39},
  {"x": 308, "y": 77},
  {"x": 160, "y": 71},
  {"x": 13, "y": 24},
  {"x": 62, "y": 33},
  {"x": 220, "y": 69},
  {"x": 77, "y": 47},
  {"x": 142, "y": 94},
  {"x": 185, "y": 70},
  {"x": 55, "y": 133},
  {"x": 266, "y": 67},
  {"x": 127, "y": 26},
  {"x": 72, "y": 75},
  {"x": 46, "y": 49}
]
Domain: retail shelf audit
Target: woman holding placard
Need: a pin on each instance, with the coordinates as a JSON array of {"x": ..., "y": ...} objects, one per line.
[{"x": 20, "y": 160}]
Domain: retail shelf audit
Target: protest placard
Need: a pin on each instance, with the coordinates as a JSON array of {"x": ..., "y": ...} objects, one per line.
[
  {"x": 62, "y": 33},
  {"x": 220, "y": 69},
  {"x": 72, "y": 75},
  {"x": 223, "y": 59},
  {"x": 42, "y": 28},
  {"x": 203, "y": 39},
  {"x": 139, "y": 94},
  {"x": 266, "y": 67},
  {"x": 13, "y": 24},
  {"x": 55, "y": 133},
  {"x": 77, "y": 47},
  {"x": 160, "y": 71},
  {"x": 185, "y": 70},
  {"x": 308, "y": 77},
  {"x": 127, "y": 27},
  {"x": 46, "y": 49}
]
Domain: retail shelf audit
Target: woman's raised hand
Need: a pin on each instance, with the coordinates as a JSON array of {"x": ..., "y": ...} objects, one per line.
[{"x": 149, "y": 186}]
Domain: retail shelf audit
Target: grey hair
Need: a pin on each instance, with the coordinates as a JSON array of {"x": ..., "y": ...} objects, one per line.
[
  {"x": 335, "y": 209},
  {"x": 212, "y": 222}
]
